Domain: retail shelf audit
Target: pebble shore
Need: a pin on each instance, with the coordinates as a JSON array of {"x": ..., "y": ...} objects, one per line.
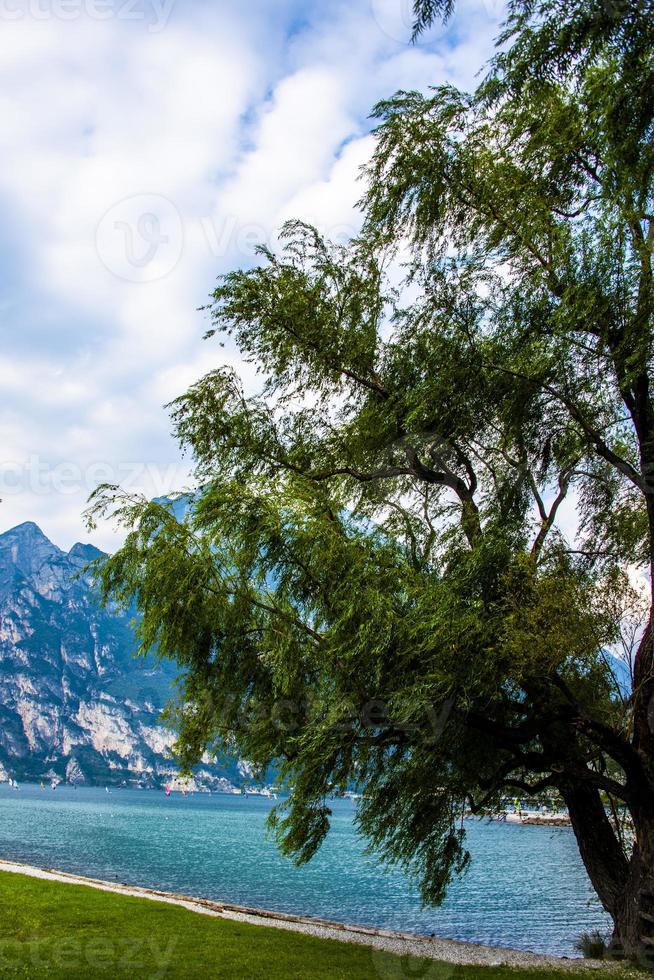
[{"x": 445, "y": 950}]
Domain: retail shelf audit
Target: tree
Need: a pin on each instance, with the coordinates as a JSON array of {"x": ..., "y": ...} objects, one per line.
[{"x": 372, "y": 585}]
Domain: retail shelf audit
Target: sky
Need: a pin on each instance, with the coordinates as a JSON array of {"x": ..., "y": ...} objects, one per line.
[{"x": 146, "y": 147}]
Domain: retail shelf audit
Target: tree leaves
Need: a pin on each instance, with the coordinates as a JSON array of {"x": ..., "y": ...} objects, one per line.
[{"x": 382, "y": 581}]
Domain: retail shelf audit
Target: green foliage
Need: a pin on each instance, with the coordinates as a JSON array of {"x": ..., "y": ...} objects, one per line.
[
  {"x": 373, "y": 586},
  {"x": 592, "y": 945},
  {"x": 65, "y": 932},
  {"x": 425, "y": 13}
]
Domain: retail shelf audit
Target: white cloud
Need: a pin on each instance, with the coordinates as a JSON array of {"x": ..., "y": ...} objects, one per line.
[{"x": 195, "y": 141}]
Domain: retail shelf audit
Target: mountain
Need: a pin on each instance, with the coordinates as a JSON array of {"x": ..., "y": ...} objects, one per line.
[{"x": 75, "y": 702}]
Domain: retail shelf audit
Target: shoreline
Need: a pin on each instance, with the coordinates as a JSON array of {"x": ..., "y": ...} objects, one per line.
[
  {"x": 446, "y": 950},
  {"x": 530, "y": 818}
]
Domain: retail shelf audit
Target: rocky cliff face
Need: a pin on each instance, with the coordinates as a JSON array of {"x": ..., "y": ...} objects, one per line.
[{"x": 74, "y": 701}]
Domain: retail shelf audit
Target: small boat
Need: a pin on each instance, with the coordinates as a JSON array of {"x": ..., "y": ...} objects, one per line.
[{"x": 167, "y": 790}]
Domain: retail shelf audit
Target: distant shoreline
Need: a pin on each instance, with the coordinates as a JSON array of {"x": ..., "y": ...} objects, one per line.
[
  {"x": 445, "y": 950},
  {"x": 525, "y": 818},
  {"x": 530, "y": 818}
]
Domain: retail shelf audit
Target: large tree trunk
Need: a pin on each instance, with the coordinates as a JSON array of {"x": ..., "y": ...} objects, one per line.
[
  {"x": 643, "y": 697},
  {"x": 625, "y": 886},
  {"x": 600, "y": 849},
  {"x": 634, "y": 917}
]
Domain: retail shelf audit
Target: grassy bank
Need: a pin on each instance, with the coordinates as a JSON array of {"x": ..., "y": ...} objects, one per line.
[{"x": 68, "y": 931}]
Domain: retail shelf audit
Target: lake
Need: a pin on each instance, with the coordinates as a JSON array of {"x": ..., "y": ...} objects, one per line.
[{"x": 526, "y": 887}]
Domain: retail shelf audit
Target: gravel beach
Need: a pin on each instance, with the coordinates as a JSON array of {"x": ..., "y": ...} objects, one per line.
[{"x": 445, "y": 950}]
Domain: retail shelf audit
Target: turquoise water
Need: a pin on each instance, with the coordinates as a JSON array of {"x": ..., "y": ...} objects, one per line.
[{"x": 526, "y": 888}]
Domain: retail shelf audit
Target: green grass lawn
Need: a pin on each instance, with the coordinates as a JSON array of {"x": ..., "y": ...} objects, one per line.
[{"x": 54, "y": 930}]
